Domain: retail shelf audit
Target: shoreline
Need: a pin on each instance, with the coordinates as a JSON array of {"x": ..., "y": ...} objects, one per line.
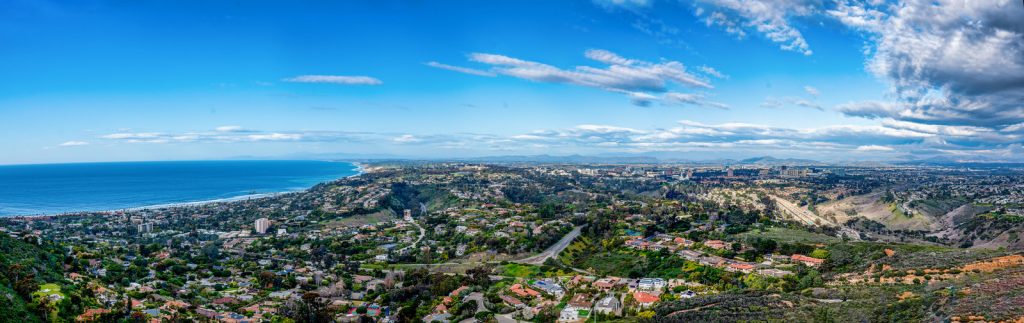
[{"x": 360, "y": 169}]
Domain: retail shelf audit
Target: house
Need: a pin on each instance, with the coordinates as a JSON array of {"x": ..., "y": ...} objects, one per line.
[
  {"x": 440, "y": 309},
  {"x": 455, "y": 293},
  {"x": 740, "y": 267},
  {"x": 777, "y": 273},
  {"x": 716, "y": 244},
  {"x": 651, "y": 284},
  {"x": 712, "y": 261},
  {"x": 687, "y": 294},
  {"x": 809, "y": 261},
  {"x": 609, "y": 305},
  {"x": 512, "y": 301},
  {"x": 690, "y": 255},
  {"x": 550, "y": 286},
  {"x": 581, "y": 302},
  {"x": 681, "y": 241},
  {"x": 645, "y": 300},
  {"x": 569, "y": 314},
  {"x": 518, "y": 289},
  {"x": 91, "y": 314},
  {"x": 605, "y": 283}
]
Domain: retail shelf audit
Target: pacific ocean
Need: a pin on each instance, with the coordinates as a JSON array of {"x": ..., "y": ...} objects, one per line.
[{"x": 46, "y": 189}]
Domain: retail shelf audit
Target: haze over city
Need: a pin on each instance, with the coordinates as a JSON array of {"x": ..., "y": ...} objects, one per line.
[{"x": 706, "y": 79}]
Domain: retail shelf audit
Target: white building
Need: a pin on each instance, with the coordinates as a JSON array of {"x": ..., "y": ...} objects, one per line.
[
  {"x": 651, "y": 284},
  {"x": 262, "y": 224},
  {"x": 569, "y": 314}
]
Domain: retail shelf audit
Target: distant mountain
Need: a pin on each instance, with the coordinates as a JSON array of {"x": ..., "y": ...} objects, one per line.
[{"x": 951, "y": 162}]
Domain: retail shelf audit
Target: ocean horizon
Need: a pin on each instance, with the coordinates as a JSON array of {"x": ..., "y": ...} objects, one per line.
[{"x": 50, "y": 189}]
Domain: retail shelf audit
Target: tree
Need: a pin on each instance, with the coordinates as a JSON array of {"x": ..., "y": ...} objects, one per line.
[{"x": 310, "y": 309}]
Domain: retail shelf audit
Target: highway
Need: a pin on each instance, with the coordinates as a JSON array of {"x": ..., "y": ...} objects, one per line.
[{"x": 553, "y": 250}]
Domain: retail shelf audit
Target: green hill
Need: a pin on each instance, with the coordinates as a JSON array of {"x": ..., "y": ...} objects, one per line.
[{"x": 23, "y": 268}]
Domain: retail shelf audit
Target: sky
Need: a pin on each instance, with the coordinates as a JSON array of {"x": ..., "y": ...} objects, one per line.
[{"x": 830, "y": 80}]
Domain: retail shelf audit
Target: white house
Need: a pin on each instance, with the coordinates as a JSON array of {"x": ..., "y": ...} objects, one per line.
[{"x": 569, "y": 314}]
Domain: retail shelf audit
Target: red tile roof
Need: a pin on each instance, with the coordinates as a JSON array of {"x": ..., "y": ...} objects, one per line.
[
  {"x": 806, "y": 259},
  {"x": 642, "y": 297}
]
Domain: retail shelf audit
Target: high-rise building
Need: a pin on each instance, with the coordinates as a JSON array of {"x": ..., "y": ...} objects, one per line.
[{"x": 262, "y": 224}]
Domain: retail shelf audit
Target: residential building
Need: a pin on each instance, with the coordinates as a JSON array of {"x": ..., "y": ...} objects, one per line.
[
  {"x": 262, "y": 224},
  {"x": 609, "y": 305}
]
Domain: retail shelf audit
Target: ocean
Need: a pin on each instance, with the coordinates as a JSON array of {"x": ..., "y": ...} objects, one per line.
[{"x": 64, "y": 188}]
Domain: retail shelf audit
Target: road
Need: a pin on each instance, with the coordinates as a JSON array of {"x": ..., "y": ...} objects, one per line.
[
  {"x": 479, "y": 299},
  {"x": 505, "y": 318},
  {"x": 537, "y": 259},
  {"x": 422, "y": 233},
  {"x": 798, "y": 213},
  {"x": 553, "y": 250}
]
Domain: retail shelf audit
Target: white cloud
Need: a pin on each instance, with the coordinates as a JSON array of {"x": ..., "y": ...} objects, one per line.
[
  {"x": 890, "y": 139},
  {"x": 953, "y": 62},
  {"x": 73, "y": 143},
  {"x": 812, "y": 91},
  {"x": 691, "y": 98},
  {"x": 230, "y": 129},
  {"x": 607, "y": 57},
  {"x": 874, "y": 148},
  {"x": 131, "y": 136},
  {"x": 712, "y": 72},
  {"x": 275, "y": 137},
  {"x": 775, "y": 103},
  {"x": 637, "y": 79},
  {"x": 335, "y": 79},
  {"x": 459, "y": 69},
  {"x": 407, "y": 139},
  {"x": 769, "y": 18}
]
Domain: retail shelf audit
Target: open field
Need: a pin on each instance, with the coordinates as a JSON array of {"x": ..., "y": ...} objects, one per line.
[{"x": 790, "y": 235}]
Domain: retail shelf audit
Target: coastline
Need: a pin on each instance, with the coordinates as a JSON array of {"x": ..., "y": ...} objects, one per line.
[{"x": 359, "y": 169}]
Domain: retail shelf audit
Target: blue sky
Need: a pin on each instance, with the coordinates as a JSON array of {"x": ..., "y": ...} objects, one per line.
[{"x": 843, "y": 80}]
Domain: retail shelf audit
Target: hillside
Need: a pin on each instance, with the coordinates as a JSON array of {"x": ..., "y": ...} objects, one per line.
[{"x": 23, "y": 268}]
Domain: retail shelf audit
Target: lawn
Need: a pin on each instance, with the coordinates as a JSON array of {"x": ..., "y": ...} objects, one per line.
[
  {"x": 362, "y": 219},
  {"x": 790, "y": 235},
  {"x": 46, "y": 290},
  {"x": 519, "y": 270}
]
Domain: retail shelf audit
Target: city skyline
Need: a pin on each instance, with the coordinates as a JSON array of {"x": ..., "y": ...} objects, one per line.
[{"x": 697, "y": 80}]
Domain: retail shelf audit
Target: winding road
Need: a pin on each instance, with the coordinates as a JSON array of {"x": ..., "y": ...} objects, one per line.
[{"x": 422, "y": 233}]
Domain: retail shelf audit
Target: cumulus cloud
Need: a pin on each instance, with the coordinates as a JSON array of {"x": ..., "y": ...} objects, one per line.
[
  {"x": 637, "y": 79},
  {"x": 73, "y": 143},
  {"x": 953, "y": 62},
  {"x": 893, "y": 138},
  {"x": 335, "y": 79}
]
